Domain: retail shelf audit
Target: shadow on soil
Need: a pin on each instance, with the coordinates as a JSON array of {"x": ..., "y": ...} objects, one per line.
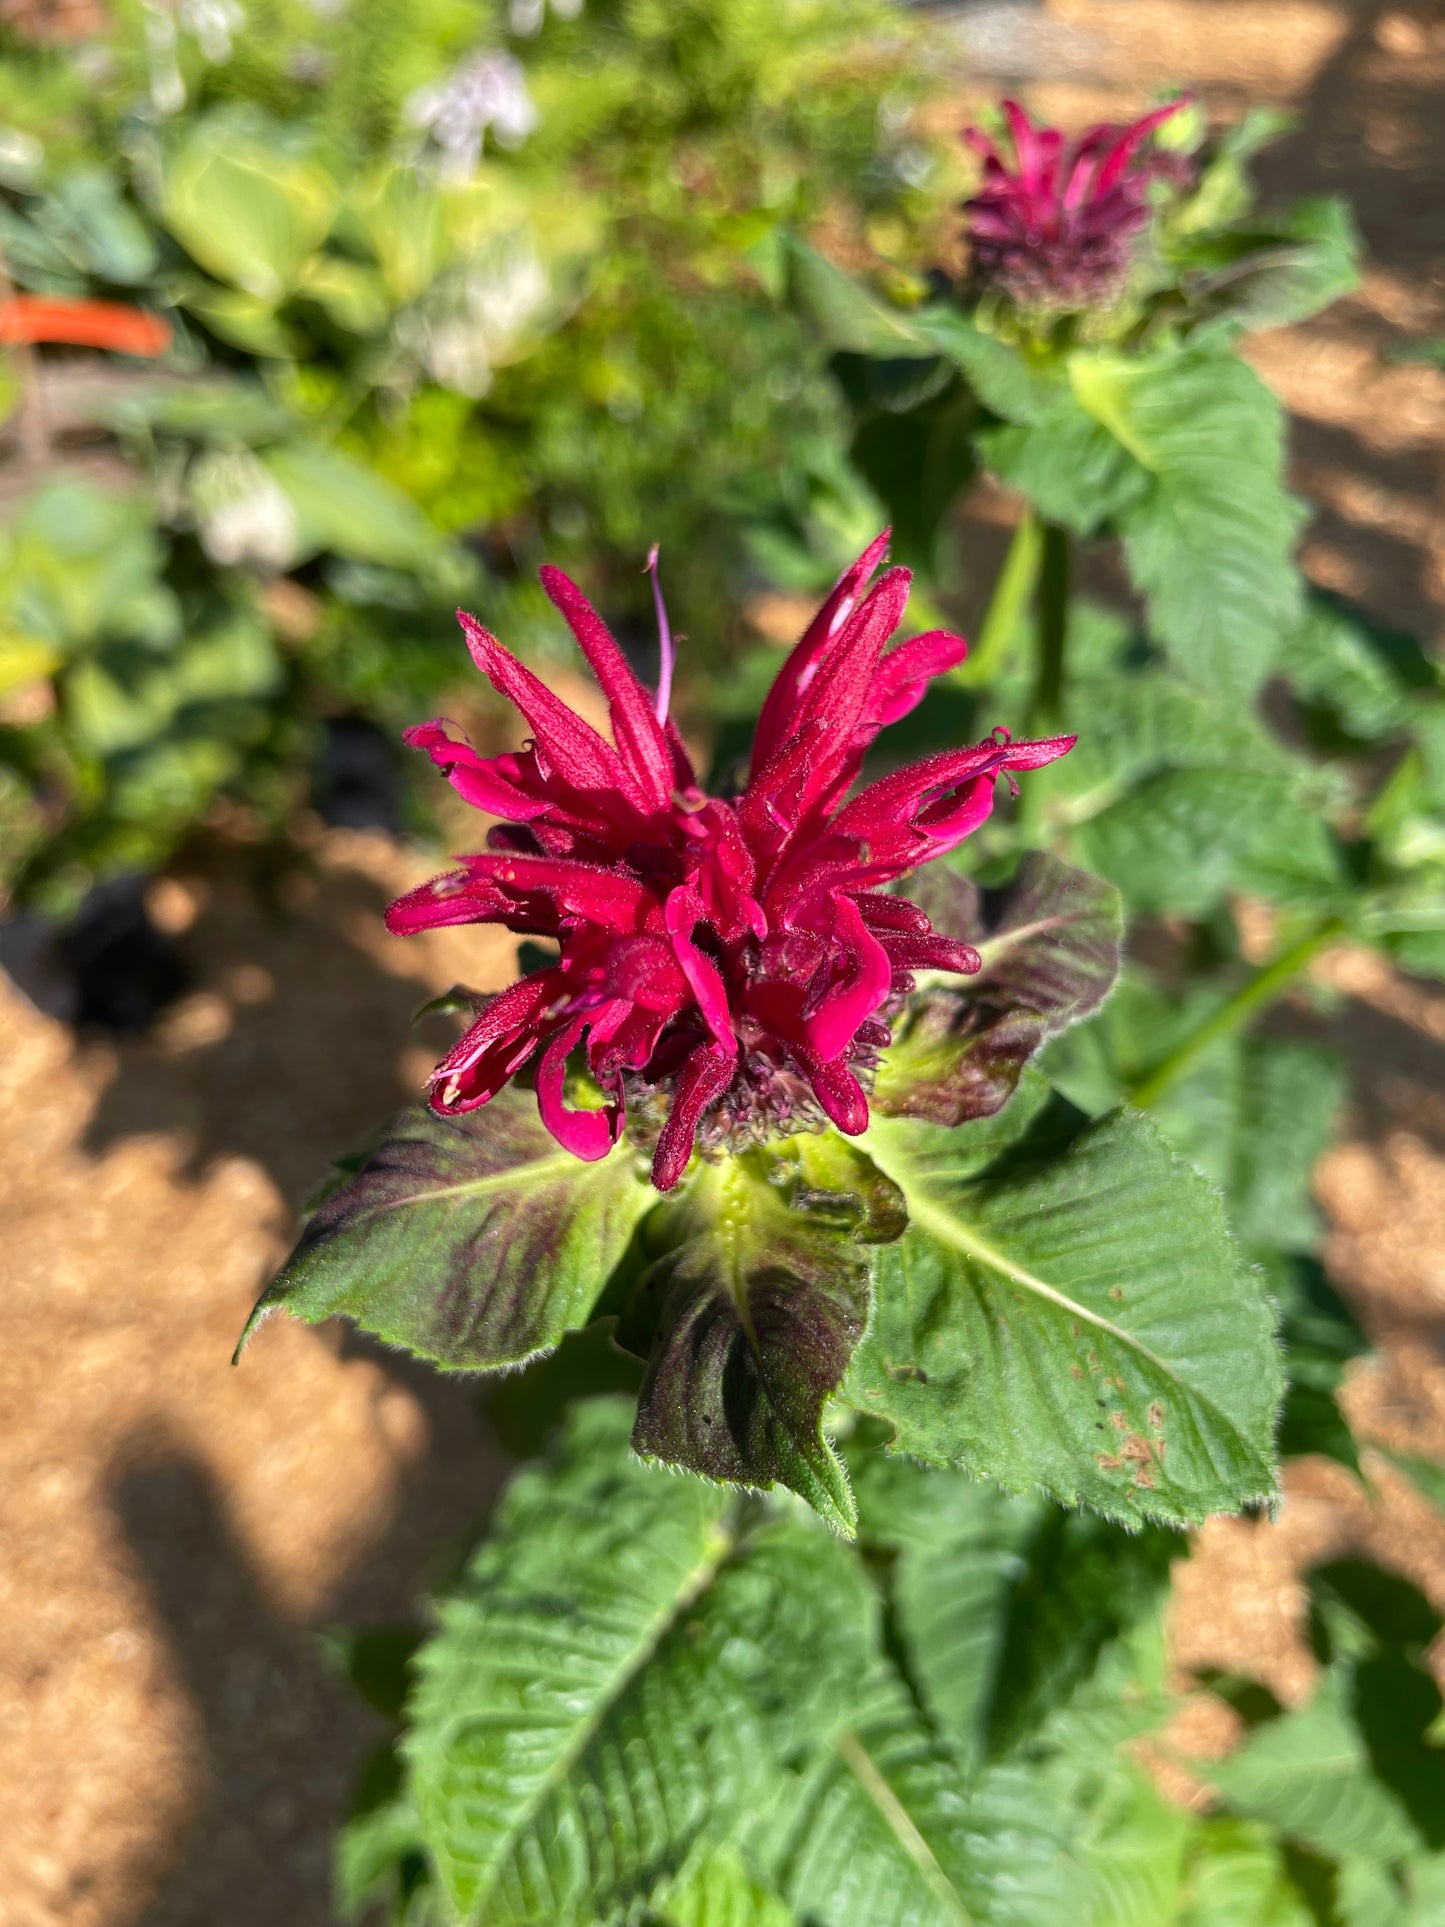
[{"x": 283, "y": 1734}]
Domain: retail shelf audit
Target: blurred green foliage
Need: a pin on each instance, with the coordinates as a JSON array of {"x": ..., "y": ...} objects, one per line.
[{"x": 456, "y": 286}]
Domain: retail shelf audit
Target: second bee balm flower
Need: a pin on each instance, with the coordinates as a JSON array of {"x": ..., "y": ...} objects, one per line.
[
  {"x": 1057, "y": 227},
  {"x": 737, "y": 960}
]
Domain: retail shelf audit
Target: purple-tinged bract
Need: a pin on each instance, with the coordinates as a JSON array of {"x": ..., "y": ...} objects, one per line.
[
  {"x": 1057, "y": 228},
  {"x": 739, "y": 958}
]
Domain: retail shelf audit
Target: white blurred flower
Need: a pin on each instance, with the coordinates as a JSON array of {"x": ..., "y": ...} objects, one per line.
[
  {"x": 527, "y": 15},
  {"x": 487, "y": 91},
  {"x": 243, "y": 515},
  {"x": 214, "y": 24},
  {"x": 474, "y": 323}
]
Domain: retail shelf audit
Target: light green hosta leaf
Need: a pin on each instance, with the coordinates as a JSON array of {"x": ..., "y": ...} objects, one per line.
[
  {"x": 345, "y": 507},
  {"x": 475, "y": 1241},
  {"x": 99, "y": 229},
  {"x": 247, "y": 202},
  {"x": 617, "y": 1679},
  {"x": 1072, "y": 1315},
  {"x": 756, "y": 1302},
  {"x": 1210, "y": 543}
]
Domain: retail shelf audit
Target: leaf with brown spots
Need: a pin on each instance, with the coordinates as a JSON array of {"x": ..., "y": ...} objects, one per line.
[{"x": 999, "y": 1297}]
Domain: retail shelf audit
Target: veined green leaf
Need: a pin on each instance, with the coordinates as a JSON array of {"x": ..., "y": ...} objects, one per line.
[
  {"x": 475, "y": 1241},
  {"x": 1009, "y": 381},
  {"x": 585, "y": 1571},
  {"x": 756, "y": 1302},
  {"x": 1308, "y": 1773},
  {"x": 1211, "y": 542},
  {"x": 715, "y": 1889},
  {"x": 617, "y": 1676},
  {"x": 1236, "y": 1876},
  {"x": 1181, "y": 839},
  {"x": 1073, "y": 1316},
  {"x": 1072, "y": 467}
]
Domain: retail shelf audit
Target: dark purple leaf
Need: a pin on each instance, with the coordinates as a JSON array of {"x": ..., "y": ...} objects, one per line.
[
  {"x": 754, "y": 1310},
  {"x": 1050, "y": 944}
]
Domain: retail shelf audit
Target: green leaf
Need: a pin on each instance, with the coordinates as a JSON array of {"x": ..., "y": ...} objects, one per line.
[
  {"x": 587, "y": 1568},
  {"x": 845, "y": 315},
  {"x": 1009, "y": 381},
  {"x": 99, "y": 228},
  {"x": 1236, "y": 1876},
  {"x": 1180, "y": 840},
  {"x": 756, "y": 1303},
  {"x": 1210, "y": 544},
  {"x": 1050, "y": 944},
  {"x": 1366, "y": 680},
  {"x": 956, "y": 1549},
  {"x": 715, "y": 1889},
  {"x": 347, "y": 508},
  {"x": 876, "y": 1833},
  {"x": 1072, "y": 1316},
  {"x": 615, "y": 1680},
  {"x": 474, "y": 1241},
  {"x": 247, "y": 201},
  {"x": 918, "y": 463},
  {"x": 1297, "y": 265},
  {"x": 1320, "y": 1338},
  {"x": 1308, "y": 1773},
  {"x": 1071, "y": 466}
]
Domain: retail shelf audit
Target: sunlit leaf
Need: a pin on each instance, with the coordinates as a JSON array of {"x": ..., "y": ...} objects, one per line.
[
  {"x": 474, "y": 1240},
  {"x": 1070, "y": 1315}
]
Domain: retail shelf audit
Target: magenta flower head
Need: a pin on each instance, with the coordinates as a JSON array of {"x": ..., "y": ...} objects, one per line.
[
  {"x": 1058, "y": 228},
  {"x": 732, "y": 964}
]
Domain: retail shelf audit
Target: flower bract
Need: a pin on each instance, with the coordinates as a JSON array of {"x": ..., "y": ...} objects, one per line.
[{"x": 730, "y": 962}]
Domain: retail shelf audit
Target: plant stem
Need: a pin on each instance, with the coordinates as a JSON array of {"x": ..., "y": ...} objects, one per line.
[
  {"x": 1051, "y": 627},
  {"x": 1260, "y": 989},
  {"x": 1012, "y": 594}
]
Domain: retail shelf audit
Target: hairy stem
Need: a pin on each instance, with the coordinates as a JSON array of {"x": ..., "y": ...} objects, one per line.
[
  {"x": 1259, "y": 989},
  {"x": 1012, "y": 594}
]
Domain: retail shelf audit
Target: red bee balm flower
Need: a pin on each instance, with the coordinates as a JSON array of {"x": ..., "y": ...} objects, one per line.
[
  {"x": 1057, "y": 229},
  {"x": 740, "y": 957}
]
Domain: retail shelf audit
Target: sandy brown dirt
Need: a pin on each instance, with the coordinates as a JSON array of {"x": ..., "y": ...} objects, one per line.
[{"x": 173, "y": 1749}]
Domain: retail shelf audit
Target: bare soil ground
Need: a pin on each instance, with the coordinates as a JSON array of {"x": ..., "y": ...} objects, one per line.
[{"x": 174, "y": 1750}]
